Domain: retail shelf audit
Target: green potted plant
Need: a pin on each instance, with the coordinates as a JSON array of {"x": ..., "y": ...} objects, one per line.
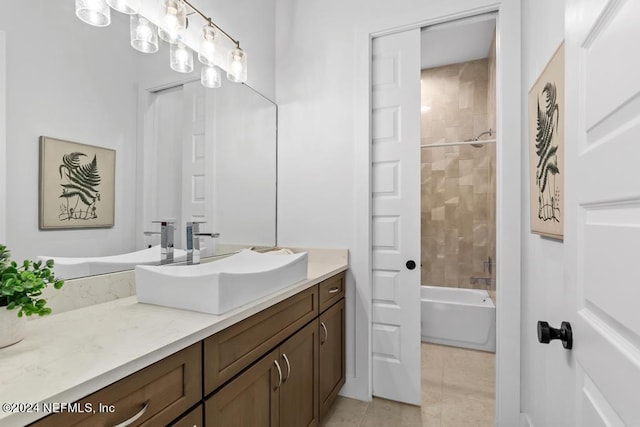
[{"x": 20, "y": 289}]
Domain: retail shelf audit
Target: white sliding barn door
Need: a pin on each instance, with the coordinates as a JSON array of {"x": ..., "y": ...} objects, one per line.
[
  {"x": 396, "y": 216},
  {"x": 603, "y": 209}
]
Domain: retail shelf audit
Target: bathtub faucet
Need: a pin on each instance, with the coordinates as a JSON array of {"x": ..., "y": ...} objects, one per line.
[{"x": 487, "y": 281}]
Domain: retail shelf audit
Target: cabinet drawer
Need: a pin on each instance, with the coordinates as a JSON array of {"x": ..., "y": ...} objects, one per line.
[
  {"x": 331, "y": 290},
  {"x": 233, "y": 349},
  {"x": 156, "y": 394}
]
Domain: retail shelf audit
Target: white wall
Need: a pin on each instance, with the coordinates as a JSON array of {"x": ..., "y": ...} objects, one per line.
[
  {"x": 244, "y": 208},
  {"x": 65, "y": 79},
  {"x": 320, "y": 98},
  {"x": 544, "y": 368}
]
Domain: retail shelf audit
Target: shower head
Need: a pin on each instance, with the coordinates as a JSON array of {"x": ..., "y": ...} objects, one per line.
[{"x": 487, "y": 132}]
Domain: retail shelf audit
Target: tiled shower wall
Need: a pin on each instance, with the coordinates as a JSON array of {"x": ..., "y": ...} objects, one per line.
[{"x": 458, "y": 182}]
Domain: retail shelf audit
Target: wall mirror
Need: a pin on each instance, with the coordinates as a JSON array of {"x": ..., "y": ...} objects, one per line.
[{"x": 182, "y": 151}]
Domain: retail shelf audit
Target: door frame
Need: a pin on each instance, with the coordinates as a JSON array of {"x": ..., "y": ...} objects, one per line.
[{"x": 508, "y": 194}]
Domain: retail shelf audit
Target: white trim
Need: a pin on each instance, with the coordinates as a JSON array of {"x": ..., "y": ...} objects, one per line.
[
  {"x": 3, "y": 137},
  {"x": 508, "y": 150}
]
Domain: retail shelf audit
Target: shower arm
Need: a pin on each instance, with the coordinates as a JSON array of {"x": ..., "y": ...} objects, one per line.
[{"x": 476, "y": 142}]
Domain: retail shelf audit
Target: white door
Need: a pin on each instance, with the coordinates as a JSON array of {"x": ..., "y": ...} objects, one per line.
[
  {"x": 396, "y": 216},
  {"x": 197, "y": 177},
  {"x": 603, "y": 208}
]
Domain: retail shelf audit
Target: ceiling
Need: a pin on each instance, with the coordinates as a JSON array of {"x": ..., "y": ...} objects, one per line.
[{"x": 457, "y": 41}]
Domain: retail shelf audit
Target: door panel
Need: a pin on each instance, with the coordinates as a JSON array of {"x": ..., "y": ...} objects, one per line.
[
  {"x": 299, "y": 391},
  {"x": 250, "y": 400},
  {"x": 396, "y": 216},
  {"x": 603, "y": 225},
  {"x": 197, "y": 164}
]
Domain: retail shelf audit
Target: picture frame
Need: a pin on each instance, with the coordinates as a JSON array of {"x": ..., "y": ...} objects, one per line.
[
  {"x": 546, "y": 149},
  {"x": 77, "y": 185}
]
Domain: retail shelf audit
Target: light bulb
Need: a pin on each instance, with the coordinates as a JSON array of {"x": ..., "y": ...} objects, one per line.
[
  {"x": 173, "y": 20},
  {"x": 210, "y": 52},
  {"x": 210, "y": 77},
  {"x": 181, "y": 58},
  {"x": 144, "y": 37},
  {"x": 236, "y": 67},
  {"x": 237, "y": 71}
]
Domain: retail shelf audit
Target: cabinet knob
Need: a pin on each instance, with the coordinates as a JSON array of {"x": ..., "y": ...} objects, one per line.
[{"x": 546, "y": 334}]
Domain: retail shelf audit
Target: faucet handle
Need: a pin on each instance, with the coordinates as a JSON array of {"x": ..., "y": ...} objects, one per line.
[{"x": 166, "y": 221}]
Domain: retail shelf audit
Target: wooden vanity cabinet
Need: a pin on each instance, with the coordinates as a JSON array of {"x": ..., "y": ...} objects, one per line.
[
  {"x": 282, "y": 366},
  {"x": 281, "y": 389}
]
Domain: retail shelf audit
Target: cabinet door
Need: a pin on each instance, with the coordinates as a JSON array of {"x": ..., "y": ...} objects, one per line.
[
  {"x": 194, "y": 418},
  {"x": 332, "y": 355},
  {"x": 299, "y": 391},
  {"x": 251, "y": 399}
]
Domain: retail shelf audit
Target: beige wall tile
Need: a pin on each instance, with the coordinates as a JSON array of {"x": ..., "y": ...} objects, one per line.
[{"x": 458, "y": 192}]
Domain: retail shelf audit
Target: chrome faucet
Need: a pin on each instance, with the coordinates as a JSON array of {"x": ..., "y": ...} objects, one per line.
[
  {"x": 167, "y": 230},
  {"x": 193, "y": 241}
]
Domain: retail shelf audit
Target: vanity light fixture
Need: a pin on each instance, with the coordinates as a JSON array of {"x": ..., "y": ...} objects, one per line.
[
  {"x": 144, "y": 34},
  {"x": 130, "y": 7},
  {"x": 171, "y": 26},
  {"x": 237, "y": 57},
  {"x": 93, "y": 12}
]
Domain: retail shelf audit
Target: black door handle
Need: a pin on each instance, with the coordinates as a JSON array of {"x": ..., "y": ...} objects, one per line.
[
  {"x": 411, "y": 264},
  {"x": 546, "y": 334}
]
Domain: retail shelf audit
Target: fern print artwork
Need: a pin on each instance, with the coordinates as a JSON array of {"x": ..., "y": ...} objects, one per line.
[
  {"x": 547, "y": 152},
  {"x": 76, "y": 185},
  {"x": 79, "y": 188},
  {"x": 546, "y": 149}
]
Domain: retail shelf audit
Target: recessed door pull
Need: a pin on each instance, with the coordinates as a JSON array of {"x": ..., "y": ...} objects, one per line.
[{"x": 546, "y": 334}]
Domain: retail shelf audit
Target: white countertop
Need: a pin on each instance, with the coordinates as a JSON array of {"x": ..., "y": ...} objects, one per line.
[{"x": 68, "y": 356}]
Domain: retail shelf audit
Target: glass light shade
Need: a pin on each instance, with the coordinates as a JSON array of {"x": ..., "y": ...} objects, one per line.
[
  {"x": 237, "y": 71},
  {"x": 144, "y": 34},
  {"x": 210, "y": 77},
  {"x": 210, "y": 52},
  {"x": 173, "y": 20},
  {"x": 130, "y": 7},
  {"x": 93, "y": 12},
  {"x": 181, "y": 58}
]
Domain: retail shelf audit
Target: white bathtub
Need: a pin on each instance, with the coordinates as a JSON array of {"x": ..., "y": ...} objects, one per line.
[{"x": 458, "y": 317}]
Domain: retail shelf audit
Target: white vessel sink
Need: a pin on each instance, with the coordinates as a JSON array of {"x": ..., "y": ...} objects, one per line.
[
  {"x": 219, "y": 286},
  {"x": 72, "y": 267}
]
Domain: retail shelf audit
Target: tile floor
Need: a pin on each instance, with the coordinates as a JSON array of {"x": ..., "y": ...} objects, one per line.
[{"x": 458, "y": 389}]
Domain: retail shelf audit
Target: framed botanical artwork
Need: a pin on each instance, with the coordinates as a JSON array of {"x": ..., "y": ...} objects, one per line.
[
  {"x": 546, "y": 149},
  {"x": 77, "y": 185}
]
